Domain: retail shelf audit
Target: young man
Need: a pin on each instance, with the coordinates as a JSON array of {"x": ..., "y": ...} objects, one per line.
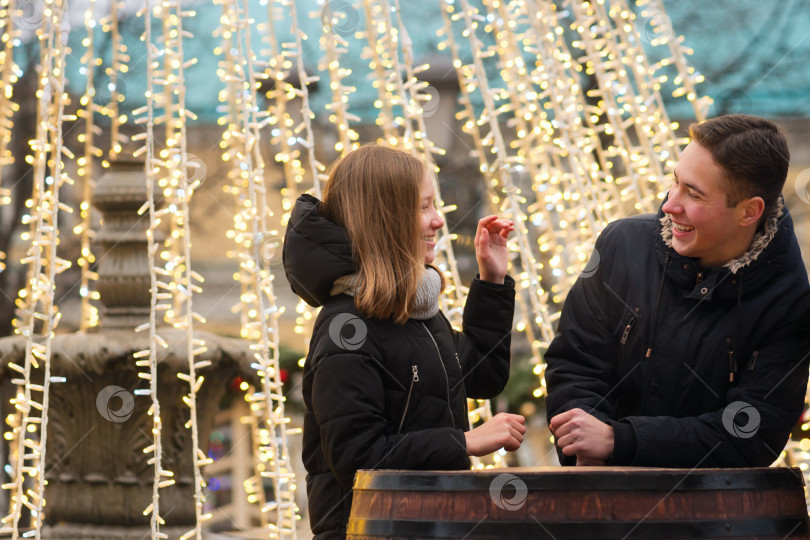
[{"x": 688, "y": 345}]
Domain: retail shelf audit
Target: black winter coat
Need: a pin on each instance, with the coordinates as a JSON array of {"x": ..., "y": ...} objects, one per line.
[
  {"x": 724, "y": 380},
  {"x": 380, "y": 395}
]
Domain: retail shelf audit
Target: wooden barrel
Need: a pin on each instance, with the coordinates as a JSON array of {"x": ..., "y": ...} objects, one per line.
[{"x": 580, "y": 503}]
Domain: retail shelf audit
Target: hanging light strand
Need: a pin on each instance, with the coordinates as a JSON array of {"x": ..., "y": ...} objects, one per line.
[
  {"x": 112, "y": 85},
  {"x": 280, "y": 100},
  {"x": 174, "y": 291},
  {"x": 9, "y": 73},
  {"x": 306, "y": 313},
  {"x": 185, "y": 280},
  {"x": 377, "y": 56},
  {"x": 253, "y": 238},
  {"x": 39, "y": 315},
  {"x": 160, "y": 290},
  {"x": 687, "y": 77},
  {"x": 316, "y": 169},
  {"x": 87, "y": 292},
  {"x": 470, "y": 126},
  {"x": 333, "y": 45},
  {"x": 528, "y": 277},
  {"x": 568, "y": 183}
]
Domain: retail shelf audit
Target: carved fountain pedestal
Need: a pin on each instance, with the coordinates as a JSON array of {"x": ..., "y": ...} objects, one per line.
[{"x": 99, "y": 481}]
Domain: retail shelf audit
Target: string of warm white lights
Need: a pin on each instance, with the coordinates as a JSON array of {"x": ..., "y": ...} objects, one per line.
[
  {"x": 316, "y": 169},
  {"x": 470, "y": 126},
  {"x": 180, "y": 282},
  {"x": 178, "y": 191},
  {"x": 414, "y": 100},
  {"x": 288, "y": 135},
  {"x": 160, "y": 291},
  {"x": 7, "y": 108},
  {"x": 572, "y": 134},
  {"x": 302, "y": 134},
  {"x": 384, "y": 39},
  {"x": 556, "y": 80},
  {"x": 38, "y": 315},
  {"x": 241, "y": 142},
  {"x": 688, "y": 77},
  {"x": 557, "y": 151},
  {"x": 494, "y": 139},
  {"x": 797, "y": 453},
  {"x": 89, "y": 312},
  {"x": 503, "y": 167},
  {"x": 603, "y": 44},
  {"x": 111, "y": 86},
  {"x": 8, "y": 76},
  {"x": 378, "y": 60},
  {"x": 333, "y": 45}
]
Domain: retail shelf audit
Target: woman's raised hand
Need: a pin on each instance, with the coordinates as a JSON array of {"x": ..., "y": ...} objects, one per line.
[
  {"x": 490, "y": 247},
  {"x": 503, "y": 430}
]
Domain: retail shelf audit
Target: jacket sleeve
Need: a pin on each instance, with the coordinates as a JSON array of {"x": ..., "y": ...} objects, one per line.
[
  {"x": 749, "y": 431},
  {"x": 486, "y": 337},
  {"x": 580, "y": 362},
  {"x": 348, "y": 403}
]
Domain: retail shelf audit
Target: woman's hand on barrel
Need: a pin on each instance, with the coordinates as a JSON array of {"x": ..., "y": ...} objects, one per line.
[
  {"x": 490, "y": 247},
  {"x": 504, "y": 430},
  {"x": 583, "y": 435}
]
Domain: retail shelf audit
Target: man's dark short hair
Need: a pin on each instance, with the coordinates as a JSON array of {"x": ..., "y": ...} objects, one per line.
[{"x": 752, "y": 151}]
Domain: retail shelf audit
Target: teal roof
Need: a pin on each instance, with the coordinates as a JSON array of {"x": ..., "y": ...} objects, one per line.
[{"x": 752, "y": 53}]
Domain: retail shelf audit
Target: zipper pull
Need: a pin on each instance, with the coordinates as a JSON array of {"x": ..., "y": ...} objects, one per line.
[
  {"x": 753, "y": 361},
  {"x": 627, "y": 331},
  {"x": 415, "y": 370},
  {"x": 458, "y": 361}
]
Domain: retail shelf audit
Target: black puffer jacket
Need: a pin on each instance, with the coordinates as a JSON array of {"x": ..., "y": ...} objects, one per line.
[
  {"x": 725, "y": 378},
  {"x": 380, "y": 395}
]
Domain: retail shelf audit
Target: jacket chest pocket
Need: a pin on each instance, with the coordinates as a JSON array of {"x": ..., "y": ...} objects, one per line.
[
  {"x": 712, "y": 368},
  {"x": 626, "y": 366},
  {"x": 627, "y": 335}
]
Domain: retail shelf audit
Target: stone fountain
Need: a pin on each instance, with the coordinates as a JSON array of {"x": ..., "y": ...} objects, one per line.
[{"x": 99, "y": 481}]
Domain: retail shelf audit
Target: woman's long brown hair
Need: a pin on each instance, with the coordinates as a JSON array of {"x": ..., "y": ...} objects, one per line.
[{"x": 373, "y": 192}]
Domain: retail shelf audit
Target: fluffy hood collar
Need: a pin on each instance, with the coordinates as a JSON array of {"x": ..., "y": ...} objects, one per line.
[
  {"x": 773, "y": 250},
  {"x": 761, "y": 239}
]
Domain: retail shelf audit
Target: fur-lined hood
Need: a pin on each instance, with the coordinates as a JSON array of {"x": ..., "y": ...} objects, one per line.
[
  {"x": 771, "y": 251},
  {"x": 758, "y": 244}
]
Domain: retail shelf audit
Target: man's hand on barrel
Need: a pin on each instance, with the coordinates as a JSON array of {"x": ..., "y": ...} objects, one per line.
[
  {"x": 504, "y": 430},
  {"x": 580, "y": 434}
]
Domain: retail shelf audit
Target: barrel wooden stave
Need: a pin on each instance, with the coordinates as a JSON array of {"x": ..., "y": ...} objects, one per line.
[{"x": 725, "y": 505}]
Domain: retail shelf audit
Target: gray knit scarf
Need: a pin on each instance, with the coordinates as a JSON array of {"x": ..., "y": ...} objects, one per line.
[{"x": 427, "y": 294}]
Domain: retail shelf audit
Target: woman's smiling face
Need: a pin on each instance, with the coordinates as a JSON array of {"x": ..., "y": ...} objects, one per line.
[{"x": 432, "y": 220}]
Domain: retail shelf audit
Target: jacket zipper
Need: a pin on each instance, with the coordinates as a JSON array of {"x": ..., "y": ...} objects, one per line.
[
  {"x": 732, "y": 365},
  {"x": 446, "y": 378},
  {"x": 415, "y": 379}
]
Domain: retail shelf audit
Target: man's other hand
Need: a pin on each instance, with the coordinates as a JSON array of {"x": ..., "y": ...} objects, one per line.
[{"x": 580, "y": 434}]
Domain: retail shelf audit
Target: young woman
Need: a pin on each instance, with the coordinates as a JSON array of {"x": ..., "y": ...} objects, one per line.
[{"x": 386, "y": 379}]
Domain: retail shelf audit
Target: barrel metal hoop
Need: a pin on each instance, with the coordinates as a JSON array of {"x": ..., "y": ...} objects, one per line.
[
  {"x": 773, "y": 527},
  {"x": 642, "y": 480}
]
